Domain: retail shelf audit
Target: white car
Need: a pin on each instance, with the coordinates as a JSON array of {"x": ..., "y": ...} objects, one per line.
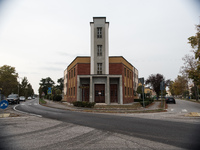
[
  {"x": 22, "y": 98},
  {"x": 29, "y": 98}
]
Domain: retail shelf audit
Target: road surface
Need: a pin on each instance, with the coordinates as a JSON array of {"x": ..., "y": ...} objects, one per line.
[{"x": 78, "y": 130}]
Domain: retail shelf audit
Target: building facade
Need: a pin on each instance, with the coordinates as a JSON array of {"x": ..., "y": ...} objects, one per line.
[{"x": 100, "y": 78}]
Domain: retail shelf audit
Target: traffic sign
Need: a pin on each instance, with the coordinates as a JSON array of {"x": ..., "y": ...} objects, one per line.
[
  {"x": 49, "y": 90},
  {"x": 141, "y": 80},
  {"x": 162, "y": 86},
  {"x": 3, "y": 104}
]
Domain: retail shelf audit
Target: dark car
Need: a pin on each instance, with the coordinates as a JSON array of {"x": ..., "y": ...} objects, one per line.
[
  {"x": 170, "y": 100},
  {"x": 13, "y": 99}
]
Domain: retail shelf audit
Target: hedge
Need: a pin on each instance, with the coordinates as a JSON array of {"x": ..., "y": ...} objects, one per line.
[
  {"x": 84, "y": 104},
  {"x": 146, "y": 101},
  {"x": 57, "y": 98}
]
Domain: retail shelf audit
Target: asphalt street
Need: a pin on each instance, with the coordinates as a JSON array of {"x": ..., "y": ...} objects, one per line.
[{"x": 178, "y": 134}]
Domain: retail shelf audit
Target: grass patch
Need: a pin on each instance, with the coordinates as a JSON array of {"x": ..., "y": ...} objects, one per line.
[{"x": 41, "y": 101}]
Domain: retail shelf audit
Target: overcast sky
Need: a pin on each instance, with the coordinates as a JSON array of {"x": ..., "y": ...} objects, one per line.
[{"x": 40, "y": 38}]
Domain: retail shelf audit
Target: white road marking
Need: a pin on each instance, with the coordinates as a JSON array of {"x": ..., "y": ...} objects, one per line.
[
  {"x": 184, "y": 110},
  {"x": 22, "y": 104},
  {"x": 26, "y": 112},
  {"x": 172, "y": 109}
]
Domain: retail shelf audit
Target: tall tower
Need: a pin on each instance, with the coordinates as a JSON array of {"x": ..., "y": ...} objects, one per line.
[{"x": 99, "y": 62}]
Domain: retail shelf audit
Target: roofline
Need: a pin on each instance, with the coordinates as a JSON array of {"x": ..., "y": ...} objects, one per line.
[
  {"x": 124, "y": 59},
  {"x": 76, "y": 58},
  {"x": 99, "y": 18},
  {"x": 109, "y": 57}
]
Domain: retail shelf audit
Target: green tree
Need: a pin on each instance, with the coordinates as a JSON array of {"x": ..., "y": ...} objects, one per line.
[
  {"x": 45, "y": 83},
  {"x": 60, "y": 84},
  {"x": 171, "y": 88},
  {"x": 180, "y": 85},
  {"x": 194, "y": 41},
  {"x": 25, "y": 88},
  {"x": 139, "y": 90},
  {"x": 30, "y": 91},
  {"x": 8, "y": 80},
  {"x": 154, "y": 81}
]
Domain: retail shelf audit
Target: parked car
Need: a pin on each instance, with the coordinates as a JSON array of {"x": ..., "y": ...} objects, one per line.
[
  {"x": 170, "y": 100},
  {"x": 13, "y": 99},
  {"x": 22, "y": 98},
  {"x": 29, "y": 98}
]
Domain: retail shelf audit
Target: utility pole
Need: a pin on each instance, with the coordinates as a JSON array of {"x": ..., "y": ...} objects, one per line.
[
  {"x": 141, "y": 80},
  {"x": 162, "y": 88}
]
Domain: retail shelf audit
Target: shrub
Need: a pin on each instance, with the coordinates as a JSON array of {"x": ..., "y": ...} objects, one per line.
[
  {"x": 57, "y": 98},
  {"x": 84, "y": 104},
  {"x": 146, "y": 102},
  {"x": 137, "y": 100}
]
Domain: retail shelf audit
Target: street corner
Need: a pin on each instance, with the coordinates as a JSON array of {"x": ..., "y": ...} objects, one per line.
[
  {"x": 4, "y": 115},
  {"x": 193, "y": 114}
]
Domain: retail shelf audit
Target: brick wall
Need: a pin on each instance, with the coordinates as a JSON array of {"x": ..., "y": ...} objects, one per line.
[
  {"x": 115, "y": 68},
  {"x": 83, "y": 69}
]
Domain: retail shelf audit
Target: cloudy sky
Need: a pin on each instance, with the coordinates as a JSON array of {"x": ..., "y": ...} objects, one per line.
[{"x": 41, "y": 37}]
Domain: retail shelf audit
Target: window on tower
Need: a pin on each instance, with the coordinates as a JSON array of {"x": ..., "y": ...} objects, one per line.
[
  {"x": 99, "y": 68},
  {"x": 99, "y": 50},
  {"x": 99, "y": 32}
]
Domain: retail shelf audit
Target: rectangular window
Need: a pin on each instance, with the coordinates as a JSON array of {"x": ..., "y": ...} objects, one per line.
[
  {"x": 124, "y": 71},
  {"x": 128, "y": 91},
  {"x": 99, "y": 68},
  {"x": 99, "y": 32},
  {"x": 99, "y": 50},
  {"x": 72, "y": 74}
]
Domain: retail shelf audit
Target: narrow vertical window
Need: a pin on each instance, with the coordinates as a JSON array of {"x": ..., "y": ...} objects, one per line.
[
  {"x": 99, "y": 68},
  {"x": 99, "y": 50},
  {"x": 128, "y": 91},
  {"x": 99, "y": 32},
  {"x": 124, "y": 71}
]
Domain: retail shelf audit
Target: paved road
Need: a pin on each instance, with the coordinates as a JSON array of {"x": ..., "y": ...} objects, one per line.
[
  {"x": 142, "y": 133},
  {"x": 183, "y": 106}
]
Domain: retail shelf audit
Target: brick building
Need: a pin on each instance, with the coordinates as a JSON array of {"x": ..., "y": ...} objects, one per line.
[{"x": 100, "y": 78}]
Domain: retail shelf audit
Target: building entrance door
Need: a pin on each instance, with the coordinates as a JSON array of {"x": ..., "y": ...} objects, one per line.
[
  {"x": 113, "y": 93},
  {"x": 85, "y": 92},
  {"x": 100, "y": 93}
]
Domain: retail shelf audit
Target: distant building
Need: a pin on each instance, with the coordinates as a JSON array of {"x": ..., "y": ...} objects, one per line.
[{"x": 100, "y": 78}]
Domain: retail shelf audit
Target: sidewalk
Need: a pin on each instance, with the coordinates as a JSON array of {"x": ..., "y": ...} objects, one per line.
[{"x": 154, "y": 107}]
